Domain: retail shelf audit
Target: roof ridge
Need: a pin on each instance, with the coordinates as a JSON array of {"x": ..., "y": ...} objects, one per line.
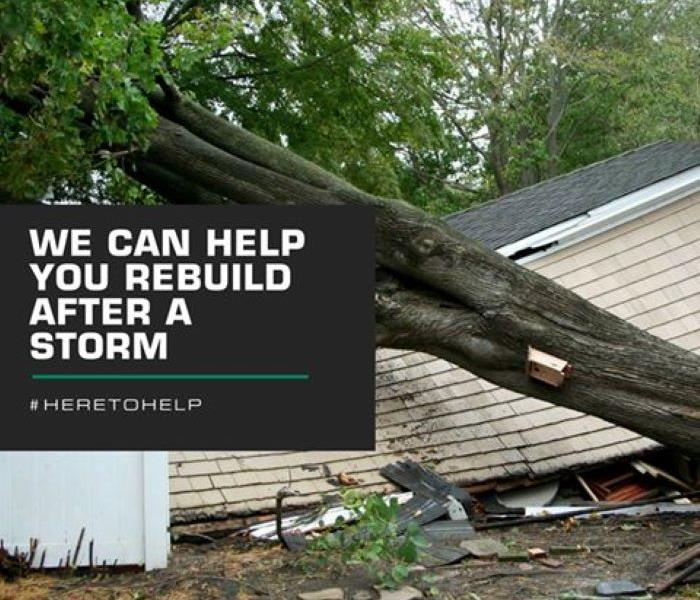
[
  {"x": 563, "y": 175},
  {"x": 528, "y": 210}
]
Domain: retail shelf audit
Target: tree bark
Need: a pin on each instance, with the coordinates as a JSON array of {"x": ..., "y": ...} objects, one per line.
[{"x": 440, "y": 292}]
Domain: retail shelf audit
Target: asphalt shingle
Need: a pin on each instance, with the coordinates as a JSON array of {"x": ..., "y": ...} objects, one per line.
[{"x": 527, "y": 211}]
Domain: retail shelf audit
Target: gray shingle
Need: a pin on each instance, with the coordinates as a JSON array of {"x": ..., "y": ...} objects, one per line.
[{"x": 532, "y": 209}]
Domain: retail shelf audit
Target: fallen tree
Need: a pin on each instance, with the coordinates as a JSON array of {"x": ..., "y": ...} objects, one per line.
[{"x": 437, "y": 291}]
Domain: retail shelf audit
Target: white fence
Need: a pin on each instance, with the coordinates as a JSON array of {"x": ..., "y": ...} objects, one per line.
[{"x": 120, "y": 498}]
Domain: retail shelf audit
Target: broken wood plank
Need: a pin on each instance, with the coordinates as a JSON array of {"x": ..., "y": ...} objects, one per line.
[
  {"x": 679, "y": 577},
  {"x": 587, "y": 488},
  {"x": 678, "y": 561},
  {"x": 646, "y": 468}
]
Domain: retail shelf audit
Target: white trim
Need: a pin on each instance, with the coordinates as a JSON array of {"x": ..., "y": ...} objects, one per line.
[
  {"x": 615, "y": 213},
  {"x": 156, "y": 510}
]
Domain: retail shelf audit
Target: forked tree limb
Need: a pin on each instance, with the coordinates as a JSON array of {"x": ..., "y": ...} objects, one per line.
[{"x": 442, "y": 293}]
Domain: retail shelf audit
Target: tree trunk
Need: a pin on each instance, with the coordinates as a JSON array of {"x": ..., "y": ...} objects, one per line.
[
  {"x": 442, "y": 293},
  {"x": 558, "y": 100}
]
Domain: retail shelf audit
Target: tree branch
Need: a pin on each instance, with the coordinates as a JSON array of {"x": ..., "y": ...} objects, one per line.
[
  {"x": 309, "y": 64},
  {"x": 133, "y": 7},
  {"x": 177, "y": 12},
  {"x": 171, "y": 186},
  {"x": 465, "y": 302}
]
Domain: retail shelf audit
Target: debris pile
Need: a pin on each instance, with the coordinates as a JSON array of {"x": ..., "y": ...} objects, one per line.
[
  {"x": 455, "y": 523},
  {"x": 637, "y": 481},
  {"x": 632, "y": 489}
]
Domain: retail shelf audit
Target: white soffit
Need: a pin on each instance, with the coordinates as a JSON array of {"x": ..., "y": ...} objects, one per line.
[{"x": 612, "y": 214}]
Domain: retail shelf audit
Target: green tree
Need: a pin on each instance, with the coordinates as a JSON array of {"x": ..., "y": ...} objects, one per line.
[
  {"x": 552, "y": 85},
  {"x": 345, "y": 84}
]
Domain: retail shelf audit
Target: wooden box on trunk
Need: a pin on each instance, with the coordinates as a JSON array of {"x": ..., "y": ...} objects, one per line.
[{"x": 547, "y": 368}]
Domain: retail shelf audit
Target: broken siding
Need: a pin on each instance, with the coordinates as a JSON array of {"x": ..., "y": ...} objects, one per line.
[{"x": 646, "y": 271}]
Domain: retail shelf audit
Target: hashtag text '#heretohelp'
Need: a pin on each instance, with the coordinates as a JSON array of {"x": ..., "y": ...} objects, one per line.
[{"x": 128, "y": 405}]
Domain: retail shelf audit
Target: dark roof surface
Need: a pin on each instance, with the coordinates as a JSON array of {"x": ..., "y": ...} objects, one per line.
[{"x": 522, "y": 213}]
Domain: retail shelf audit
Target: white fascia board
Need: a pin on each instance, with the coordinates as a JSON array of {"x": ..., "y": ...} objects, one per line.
[{"x": 615, "y": 213}]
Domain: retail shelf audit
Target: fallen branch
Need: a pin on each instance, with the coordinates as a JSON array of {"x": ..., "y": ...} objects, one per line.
[
  {"x": 678, "y": 578},
  {"x": 678, "y": 561}
]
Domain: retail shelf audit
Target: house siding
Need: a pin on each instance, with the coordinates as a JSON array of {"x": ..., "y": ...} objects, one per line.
[{"x": 646, "y": 271}]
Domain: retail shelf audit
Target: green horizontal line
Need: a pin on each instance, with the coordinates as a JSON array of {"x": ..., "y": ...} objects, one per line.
[{"x": 171, "y": 376}]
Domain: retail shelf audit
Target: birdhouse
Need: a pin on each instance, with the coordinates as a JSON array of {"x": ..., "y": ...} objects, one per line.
[{"x": 547, "y": 368}]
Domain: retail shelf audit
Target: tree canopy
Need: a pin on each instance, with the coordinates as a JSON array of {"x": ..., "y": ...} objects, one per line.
[{"x": 440, "y": 103}]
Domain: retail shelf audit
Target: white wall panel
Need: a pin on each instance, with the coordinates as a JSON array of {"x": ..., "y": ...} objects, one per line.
[{"x": 121, "y": 498}]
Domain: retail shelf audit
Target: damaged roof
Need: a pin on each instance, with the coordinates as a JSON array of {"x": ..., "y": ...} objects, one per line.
[
  {"x": 428, "y": 410},
  {"x": 527, "y": 211},
  {"x": 469, "y": 430}
]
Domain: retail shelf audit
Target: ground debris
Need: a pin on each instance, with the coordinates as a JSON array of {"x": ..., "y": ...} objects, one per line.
[
  {"x": 680, "y": 577},
  {"x": 514, "y": 556},
  {"x": 484, "y": 547},
  {"x": 327, "y": 594},
  {"x": 689, "y": 563},
  {"x": 552, "y": 563},
  {"x": 403, "y": 593},
  {"x": 267, "y": 571},
  {"x": 348, "y": 480},
  {"x": 577, "y": 596},
  {"x": 678, "y": 561},
  {"x": 619, "y": 587},
  {"x": 563, "y": 550},
  {"x": 536, "y": 553}
]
